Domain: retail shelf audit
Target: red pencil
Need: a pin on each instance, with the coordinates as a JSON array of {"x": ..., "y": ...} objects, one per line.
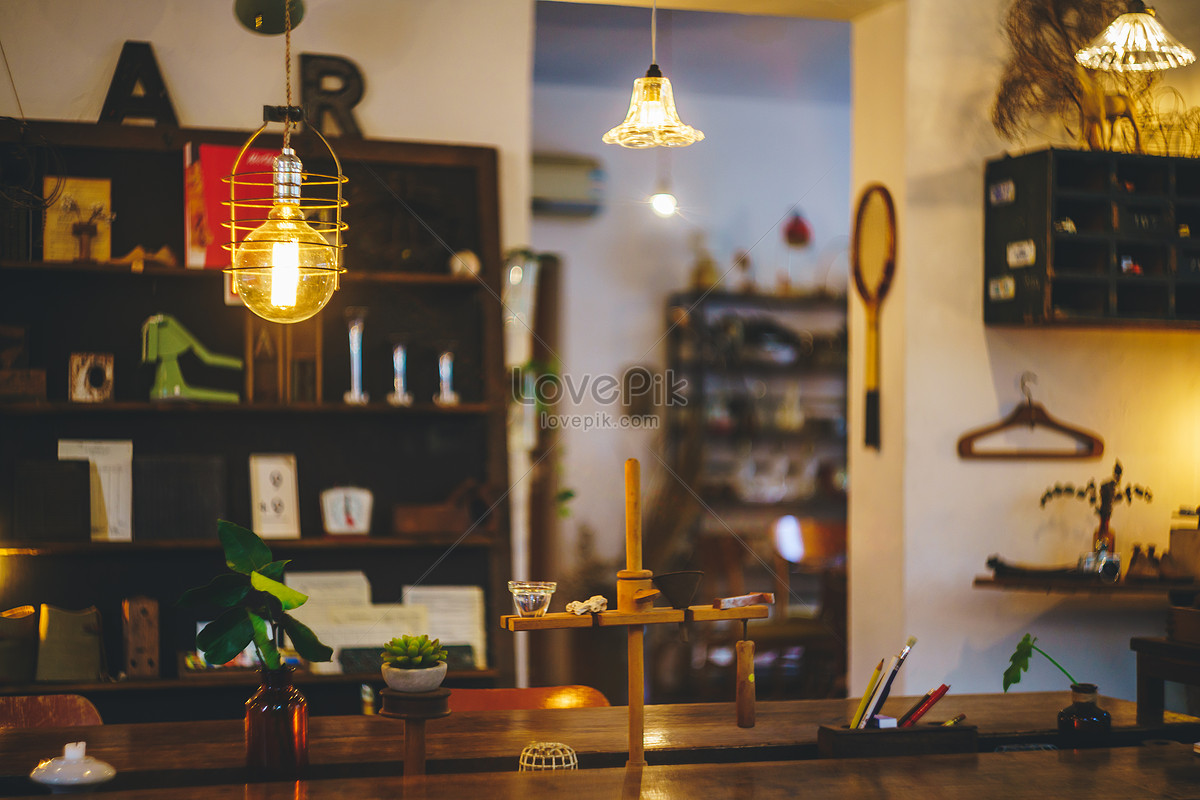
[{"x": 928, "y": 704}]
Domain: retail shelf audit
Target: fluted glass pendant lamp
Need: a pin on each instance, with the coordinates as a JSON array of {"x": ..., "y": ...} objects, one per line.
[
  {"x": 1135, "y": 42},
  {"x": 286, "y": 249},
  {"x": 652, "y": 120}
]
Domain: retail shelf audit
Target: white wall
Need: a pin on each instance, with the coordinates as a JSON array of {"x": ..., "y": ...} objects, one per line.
[
  {"x": 451, "y": 71},
  {"x": 1135, "y": 388},
  {"x": 876, "y": 552},
  {"x": 759, "y": 158}
]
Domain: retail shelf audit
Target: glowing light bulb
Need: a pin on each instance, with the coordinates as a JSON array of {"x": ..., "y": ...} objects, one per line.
[
  {"x": 285, "y": 275},
  {"x": 284, "y": 270},
  {"x": 663, "y": 203}
]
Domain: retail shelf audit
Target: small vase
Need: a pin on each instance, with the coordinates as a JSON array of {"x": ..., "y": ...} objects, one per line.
[
  {"x": 1083, "y": 723},
  {"x": 277, "y": 727},
  {"x": 1104, "y": 539},
  {"x": 414, "y": 680}
]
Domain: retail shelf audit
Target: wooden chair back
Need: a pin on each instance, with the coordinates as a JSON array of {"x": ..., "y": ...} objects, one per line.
[
  {"x": 524, "y": 699},
  {"x": 47, "y": 711}
]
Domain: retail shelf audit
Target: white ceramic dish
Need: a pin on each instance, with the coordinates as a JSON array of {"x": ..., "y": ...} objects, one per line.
[{"x": 72, "y": 771}]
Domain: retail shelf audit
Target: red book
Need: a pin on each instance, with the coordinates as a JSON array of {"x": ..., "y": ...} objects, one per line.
[
  {"x": 925, "y": 706},
  {"x": 205, "y": 166}
]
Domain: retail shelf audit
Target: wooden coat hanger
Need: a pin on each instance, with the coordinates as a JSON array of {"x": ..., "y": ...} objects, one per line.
[{"x": 1030, "y": 414}]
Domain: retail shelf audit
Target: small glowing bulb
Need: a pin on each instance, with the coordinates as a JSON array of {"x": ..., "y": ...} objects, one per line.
[
  {"x": 663, "y": 203},
  {"x": 789, "y": 542},
  {"x": 285, "y": 274}
]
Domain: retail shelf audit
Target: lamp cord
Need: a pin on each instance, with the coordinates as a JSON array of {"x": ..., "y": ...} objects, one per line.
[
  {"x": 654, "y": 32},
  {"x": 12, "y": 82},
  {"x": 287, "y": 68}
]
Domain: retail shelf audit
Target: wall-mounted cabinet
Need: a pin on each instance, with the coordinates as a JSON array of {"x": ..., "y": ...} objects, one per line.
[
  {"x": 411, "y": 205},
  {"x": 1092, "y": 238}
]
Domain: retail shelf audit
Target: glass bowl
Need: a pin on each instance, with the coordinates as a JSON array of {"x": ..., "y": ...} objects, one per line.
[{"x": 531, "y": 598}]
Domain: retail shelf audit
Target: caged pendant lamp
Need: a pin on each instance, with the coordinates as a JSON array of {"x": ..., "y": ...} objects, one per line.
[
  {"x": 1135, "y": 42},
  {"x": 287, "y": 250},
  {"x": 652, "y": 120}
]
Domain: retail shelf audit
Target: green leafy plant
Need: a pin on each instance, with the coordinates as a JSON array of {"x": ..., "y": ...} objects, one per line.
[
  {"x": 1101, "y": 497},
  {"x": 1019, "y": 662},
  {"x": 256, "y": 602},
  {"x": 413, "y": 652}
]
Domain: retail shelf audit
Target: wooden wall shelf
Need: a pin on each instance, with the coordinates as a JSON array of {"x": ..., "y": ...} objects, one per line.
[{"x": 1090, "y": 588}]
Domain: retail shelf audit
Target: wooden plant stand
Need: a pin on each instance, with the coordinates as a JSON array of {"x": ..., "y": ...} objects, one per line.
[
  {"x": 414, "y": 708},
  {"x": 635, "y": 598}
]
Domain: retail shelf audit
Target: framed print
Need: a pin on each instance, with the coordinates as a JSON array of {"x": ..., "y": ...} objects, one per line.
[{"x": 274, "y": 497}]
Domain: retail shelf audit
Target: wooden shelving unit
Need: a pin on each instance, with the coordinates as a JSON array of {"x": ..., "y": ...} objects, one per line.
[
  {"x": 1088, "y": 238},
  {"x": 398, "y": 270}
]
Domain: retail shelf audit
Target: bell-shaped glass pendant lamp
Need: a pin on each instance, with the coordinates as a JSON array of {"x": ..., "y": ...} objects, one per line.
[
  {"x": 286, "y": 249},
  {"x": 652, "y": 120},
  {"x": 1135, "y": 42}
]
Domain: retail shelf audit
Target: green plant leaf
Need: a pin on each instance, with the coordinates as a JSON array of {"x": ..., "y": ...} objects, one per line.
[
  {"x": 274, "y": 570},
  {"x": 226, "y": 636},
  {"x": 225, "y": 591},
  {"x": 267, "y": 651},
  {"x": 305, "y": 641},
  {"x": 1019, "y": 661},
  {"x": 244, "y": 551},
  {"x": 288, "y": 597}
]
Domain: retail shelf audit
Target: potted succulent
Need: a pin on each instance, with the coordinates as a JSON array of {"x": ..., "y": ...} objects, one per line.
[
  {"x": 414, "y": 664},
  {"x": 1081, "y": 723},
  {"x": 256, "y": 602},
  {"x": 1102, "y": 498}
]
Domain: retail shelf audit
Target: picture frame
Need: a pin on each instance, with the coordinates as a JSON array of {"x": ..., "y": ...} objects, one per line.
[{"x": 274, "y": 496}]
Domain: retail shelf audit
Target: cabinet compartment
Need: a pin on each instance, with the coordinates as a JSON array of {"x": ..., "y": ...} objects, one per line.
[
  {"x": 1075, "y": 299},
  {"x": 1076, "y": 256}
]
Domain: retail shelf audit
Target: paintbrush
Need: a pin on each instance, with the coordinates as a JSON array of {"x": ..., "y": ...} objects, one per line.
[{"x": 887, "y": 686}]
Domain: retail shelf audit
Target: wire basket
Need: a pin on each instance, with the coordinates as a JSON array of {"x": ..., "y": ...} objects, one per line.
[{"x": 545, "y": 756}]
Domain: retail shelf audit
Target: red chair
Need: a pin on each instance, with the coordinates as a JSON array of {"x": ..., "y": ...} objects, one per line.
[
  {"x": 47, "y": 711},
  {"x": 524, "y": 699}
]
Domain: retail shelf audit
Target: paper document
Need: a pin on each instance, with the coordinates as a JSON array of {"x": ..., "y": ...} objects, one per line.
[
  {"x": 362, "y": 626},
  {"x": 111, "y": 485},
  {"x": 347, "y": 588},
  {"x": 456, "y": 615}
]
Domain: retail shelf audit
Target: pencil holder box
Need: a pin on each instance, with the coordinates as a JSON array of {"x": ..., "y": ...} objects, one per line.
[{"x": 918, "y": 740}]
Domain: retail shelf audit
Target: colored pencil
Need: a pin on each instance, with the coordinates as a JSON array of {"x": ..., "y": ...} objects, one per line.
[
  {"x": 873, "y": 704},
  {"x": 907, "y": 714},
  {"x": 862, "y": 705},
  {"x": 928, "y": 704}
]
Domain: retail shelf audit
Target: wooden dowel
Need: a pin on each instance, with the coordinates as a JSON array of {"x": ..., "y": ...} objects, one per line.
[
  {"x": 414, "y": 747},
  {"x": 637, "y": 688},
  {"x": 745, "y": 683},
  {"x": 633, "y": 515}
]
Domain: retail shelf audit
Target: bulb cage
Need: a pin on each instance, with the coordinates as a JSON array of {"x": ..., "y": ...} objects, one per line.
[{"x": 247, "y": 214}]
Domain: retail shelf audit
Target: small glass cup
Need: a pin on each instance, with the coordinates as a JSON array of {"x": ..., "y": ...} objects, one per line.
[{"x": 531, "y": 598}]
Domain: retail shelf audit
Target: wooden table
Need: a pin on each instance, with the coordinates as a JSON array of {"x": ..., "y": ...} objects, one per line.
[
  {"x": 1131, "y": 773},
  {"x": 1160, "y": 660},
  {"x": 212, "y": 752}
]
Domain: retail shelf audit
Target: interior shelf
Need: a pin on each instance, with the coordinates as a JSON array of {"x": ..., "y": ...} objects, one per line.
[
  {"x": 177, "y": 407},
  {"x": 1094, "y": 588},
  {"x": 154, "y": 270}
]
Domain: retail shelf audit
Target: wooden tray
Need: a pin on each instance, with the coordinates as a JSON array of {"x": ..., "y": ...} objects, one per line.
[{"x": 919, "y": 740}]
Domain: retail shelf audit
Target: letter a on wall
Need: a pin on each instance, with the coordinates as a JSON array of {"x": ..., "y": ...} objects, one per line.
[
  {"x": 137, "y": 89},
  {"x": 323, "y": 104}
]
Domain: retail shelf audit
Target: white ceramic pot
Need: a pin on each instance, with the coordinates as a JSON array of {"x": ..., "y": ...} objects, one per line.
[{"x": 414, "y": 680}]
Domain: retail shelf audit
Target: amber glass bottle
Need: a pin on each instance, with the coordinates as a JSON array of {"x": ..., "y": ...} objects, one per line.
[{"x": 277, "y": 727}]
